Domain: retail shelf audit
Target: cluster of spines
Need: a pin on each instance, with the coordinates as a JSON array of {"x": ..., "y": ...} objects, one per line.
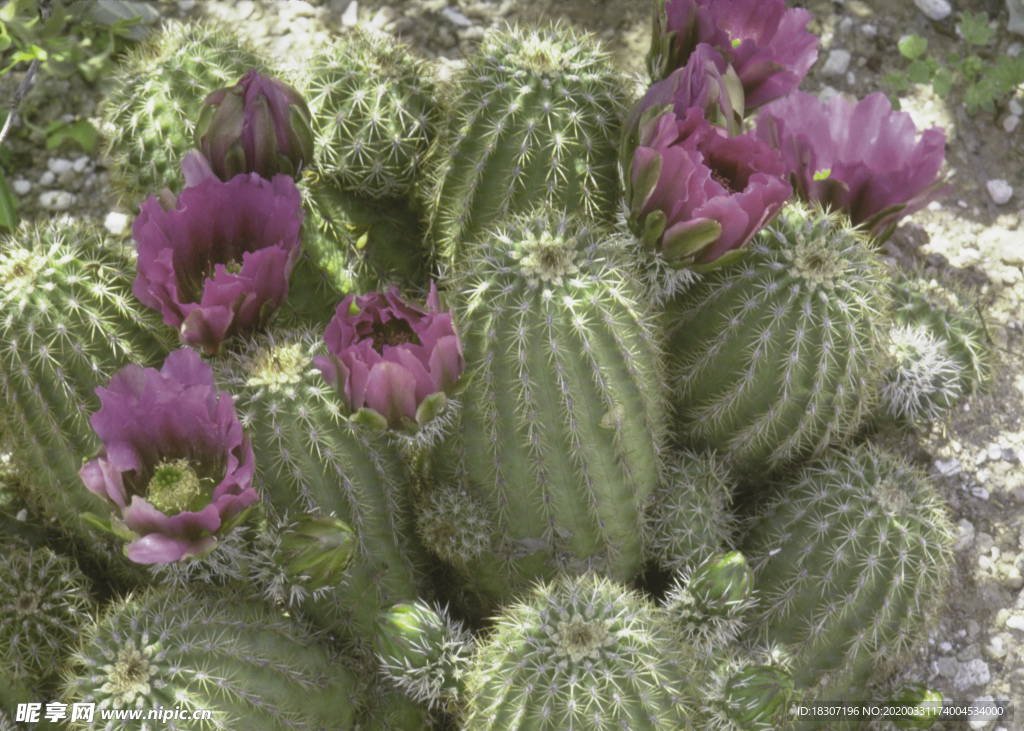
[
  {"x": 778, "y": 356},
  {"x": 374, "y": 114},
  {"x": 313, "y": 460},
  {"x": 249, "y": 665},
  {"x": 850, "y": 560},
  {"x": 923, "y": 380},
  {"x": 688, "y": 517},
  {"x": 561, "y": 430},
  {"x": 68, "y": 321},
  {"x": 535, "y": 122},
  {"x": 555, "y": 658},
  {"x": 44, "y": 603},
  {"x": 149, "y": 113}
]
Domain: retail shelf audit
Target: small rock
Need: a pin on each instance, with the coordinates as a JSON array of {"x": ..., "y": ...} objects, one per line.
[
  {"x": 1009, "y": 453},
  {"x": 56, "y": 200},
  {"x": 995, "y": 649},
  {"x": 971, "y": 652},
  {"x": 946, "y": 666},
  {"x": 869, "y": 30},
  {"x": 1014, "y": 50},
  {"x": 971, "y": 674},
  {"x": 934, "y": 9},
  {"x": 846, "y": 25},
  {"x": 81, "y": 163},
  {"x": 115, "y": 223},
  {"x": 22, "y": 515},
  {"x": 58, "y": 165},
  {"x": 837, "y": 63},
  {"x": 973, "y": 628},
  {"x": 948, "y": 467},
  {"x": 966, "y": 536},
  {"x": 350, "y": 18},
  {"x": 995, "y": 452},
  {"x": 980, "y": 492},
  {"x": 454, "y": 16},
  {"x": 946, "y": 647},
  {"x": 244, "y": 9},
  {"x": 382, "y": 17},
  {"x": 1016, "y": 108},
  {"x": 186, "y": 5},
  {"x": 859, "y": 8},
  {"x": 21, "y": 186},
  {"x": 47, "y": 179},
  {"x": 1015, "y": 621},
  {"x": 1010, "y": 123},
  {"x": 1000, "y": 191},
  {"x": 987, "y": 706}
]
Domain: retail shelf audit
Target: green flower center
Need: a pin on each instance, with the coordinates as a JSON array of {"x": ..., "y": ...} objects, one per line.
[
  {"x": 176, "y": 488},
  {"x": 547, "y": 258},
  {"x": 128, "y": 678},
  {"x": 233, "y": 267}
]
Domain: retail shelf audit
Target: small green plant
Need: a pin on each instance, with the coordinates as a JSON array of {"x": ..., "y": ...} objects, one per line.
[{"x": 983, "y": 82}]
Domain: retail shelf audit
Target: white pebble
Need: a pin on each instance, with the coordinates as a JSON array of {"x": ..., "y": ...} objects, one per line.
[
  {"x": 81, "y": 163},
  {"x": 970, "y": 674},
  {"x": 22, "y": 515},
  {"x": 1015, "y": 621},
  {"x": 966, "y": 536},
  {"x": 869, "y": 30},
  {"x": 455, "y": 17},
  {"x": 846, "y": 25},
  {"x": 56, "y": 200},
  {"x": 837, "y": 63},
  {"x": 21, "y": 186},
  {"x": 350, "y": 18},
  {"x": 186, "y": 5},
  {"x": 945, "y": 647},
  {"x": 986, "y": 706},
  {"x": 1010, "y": 123},
  {"x": 1016, "y": 108},
  {"x": 1000, "y": 191},
  {"x": 995, "y": 452},
  {"x": 58, "y": 165},
  {"x": 115, "y": 222},
  {"x": 47, "y": 179},
  {"x": 980, "y": 492},
  {"x": 948, "y": 467},
  {"x": 934, "y": 9}
]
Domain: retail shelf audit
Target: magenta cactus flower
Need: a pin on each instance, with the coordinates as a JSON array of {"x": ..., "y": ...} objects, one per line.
[
  {"x": 862, "y": 158},
  {"x": 260, "y": 125},
  {"x": 697, "y": 194},
  {"x": 175, "y": 468},
  {"x": 392, "y": 357},
  {"x": 764, "y": 41},
  {"x": 218, "y": 262},
  {"x": 706, "y": 82}
]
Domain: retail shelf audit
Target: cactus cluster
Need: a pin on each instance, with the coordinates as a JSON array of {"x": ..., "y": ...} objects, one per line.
[{"x": 552, "y": 423}]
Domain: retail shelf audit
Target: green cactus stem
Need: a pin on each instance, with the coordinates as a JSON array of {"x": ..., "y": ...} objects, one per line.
[
  {"x": 154, "y": 101},
  {"x": 536, "y": 118},
  {"x": 849, "y": 563},
  {"x": 560, "y": 434},
  {"x": 778, "y": 357},
  {"x": 250, "y": 666},
  {"x": 68, "y": 321},
  {"x": 581, "y": 653}
]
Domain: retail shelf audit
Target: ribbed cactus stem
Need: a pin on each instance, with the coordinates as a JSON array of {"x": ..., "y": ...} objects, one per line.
[
  {"x": 155, "y": 99},
  {"x": 536, "y": 118},
  {"x": 68, "y": 321},
  {"x": 583, "y": 653},
  {"x": 849, "y": 562},
  {"x": 249, "y": 665},
  {"x": 310, "y": 458},
  {"x": 779, "y": 356},
  {"x": 560, "y": 432}
]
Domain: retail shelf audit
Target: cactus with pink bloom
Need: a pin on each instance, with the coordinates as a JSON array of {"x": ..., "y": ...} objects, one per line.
[
  {"x": 217, "y": 263},
  {"x": 176, "y": 467},
  {"x": 392, "y": 361},
  {"x": 858, "y": 157},
  {"x": 695, "y": 194},
  {"x": 259, "y": 125},
  {"x": 766, "y": 43}
]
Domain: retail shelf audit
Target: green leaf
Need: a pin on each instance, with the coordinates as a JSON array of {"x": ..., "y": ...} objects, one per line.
[
  {"x": 974, "y": 28},
  {"x": 8, "y": 207},
  {"x": 913, "y": 46},
  {"x": 81, "y": 131},
  {"x": 919, "y": 73},
  {"x": 942, "y": 82},
  {"x": 897, "y": 80}
]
